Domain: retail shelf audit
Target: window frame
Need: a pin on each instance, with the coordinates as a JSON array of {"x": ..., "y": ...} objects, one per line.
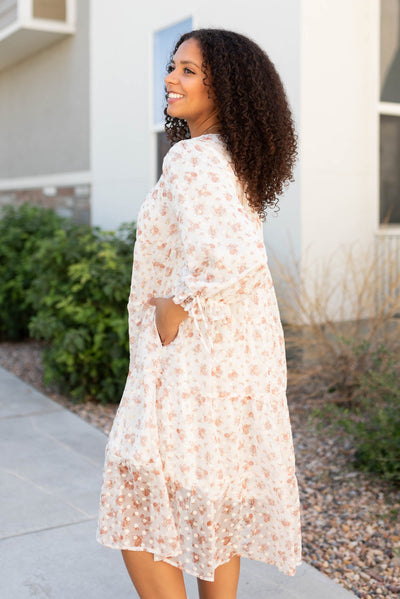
[
  {"x": 155, "y": 129},
  {"x": 383, "y": 109}
]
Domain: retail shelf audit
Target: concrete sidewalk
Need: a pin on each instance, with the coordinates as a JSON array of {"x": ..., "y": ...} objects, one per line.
[{"x": 50, "y": 467}]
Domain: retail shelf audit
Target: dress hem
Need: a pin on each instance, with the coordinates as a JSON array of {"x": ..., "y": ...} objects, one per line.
[{"x": 187, "y": 570}]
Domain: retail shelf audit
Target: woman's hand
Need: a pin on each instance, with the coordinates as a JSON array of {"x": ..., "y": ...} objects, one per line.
[{"x": 168, "y": 318}]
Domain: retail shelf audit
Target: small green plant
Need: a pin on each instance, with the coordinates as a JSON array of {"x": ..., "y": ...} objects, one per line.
[
  {"x": 22, "y": 230},
  {"x": 80, "y": 297},
  {"x": 374, "y": 418},
  {"x": 343, "y": 341},
  {"x": 378, "y": 432}
]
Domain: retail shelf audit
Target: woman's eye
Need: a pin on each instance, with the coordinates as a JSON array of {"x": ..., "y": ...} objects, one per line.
[{"x": 171, "y": 68}]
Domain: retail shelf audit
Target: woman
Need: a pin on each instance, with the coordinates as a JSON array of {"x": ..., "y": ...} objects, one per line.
[{"x": 199, "y": 467}]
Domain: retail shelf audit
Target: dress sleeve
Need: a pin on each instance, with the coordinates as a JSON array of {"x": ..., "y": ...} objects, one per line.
[{"x": 222, "y": 241}]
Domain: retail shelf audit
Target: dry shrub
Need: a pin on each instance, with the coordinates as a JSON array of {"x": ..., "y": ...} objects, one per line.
[{"x": 339, "y": 314}]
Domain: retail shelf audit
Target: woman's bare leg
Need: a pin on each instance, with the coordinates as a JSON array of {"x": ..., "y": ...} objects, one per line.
[
  {"x": 226, "y": 579},
  {"x": 153, "y": 580}
]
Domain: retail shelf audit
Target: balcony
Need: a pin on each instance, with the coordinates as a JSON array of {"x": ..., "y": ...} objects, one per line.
[{"x": 28, "y": 26}]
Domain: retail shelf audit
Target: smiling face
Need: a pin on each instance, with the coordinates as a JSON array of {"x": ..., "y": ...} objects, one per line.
[{"x": 187, "y": 95}]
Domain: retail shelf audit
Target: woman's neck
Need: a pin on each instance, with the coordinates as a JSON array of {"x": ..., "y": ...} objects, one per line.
[{"x": 204, "y": 128}]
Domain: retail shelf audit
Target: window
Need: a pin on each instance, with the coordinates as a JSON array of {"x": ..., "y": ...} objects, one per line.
[
  {"x": 389, "y": 109},
  {"x": 163, "y": 43}
]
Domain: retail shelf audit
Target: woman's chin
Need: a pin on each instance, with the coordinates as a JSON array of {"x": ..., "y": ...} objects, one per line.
[{"x": 174, "y": 113}]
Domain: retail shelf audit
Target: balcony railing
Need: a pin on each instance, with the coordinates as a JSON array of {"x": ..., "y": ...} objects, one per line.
[
  {"x": 28, "y": 26},
  {"x": 387, "y": 251}
]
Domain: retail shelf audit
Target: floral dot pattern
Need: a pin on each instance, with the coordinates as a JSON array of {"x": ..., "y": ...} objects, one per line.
[{"x": 199, "y": 463}]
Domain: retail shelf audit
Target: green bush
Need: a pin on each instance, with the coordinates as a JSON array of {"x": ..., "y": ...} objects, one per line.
[
  {"x": 378, "y": 434},
  {"x": 79, "y": 298},
  {"x": 375, "y": 423},
  {"x": 22, "y": 230}
]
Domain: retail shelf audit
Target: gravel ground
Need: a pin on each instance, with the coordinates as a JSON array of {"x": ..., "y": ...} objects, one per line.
[{"x": 350, "y": 520}]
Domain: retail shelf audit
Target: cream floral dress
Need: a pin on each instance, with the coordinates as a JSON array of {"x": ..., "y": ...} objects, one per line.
[{"x": 199, "y": 463}]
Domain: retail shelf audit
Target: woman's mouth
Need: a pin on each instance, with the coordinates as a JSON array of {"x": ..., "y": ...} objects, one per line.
[{"x": 173, "y": 97}]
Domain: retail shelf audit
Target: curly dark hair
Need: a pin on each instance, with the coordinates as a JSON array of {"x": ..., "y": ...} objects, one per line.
[{"x": 255, "y": 119}]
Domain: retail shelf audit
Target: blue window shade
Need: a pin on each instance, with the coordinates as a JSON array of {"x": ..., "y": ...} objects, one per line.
[{"x": 164, "y": 41}]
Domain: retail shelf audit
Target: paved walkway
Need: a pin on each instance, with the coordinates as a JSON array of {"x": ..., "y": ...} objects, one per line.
[{"x": 50, "y": 476}]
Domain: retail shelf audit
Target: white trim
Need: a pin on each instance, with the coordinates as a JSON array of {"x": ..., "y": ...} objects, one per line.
[
  {"x": 36, "y": 25},
  {"x": 24, "y": 9},
  {"x": 70, "y": 15},
  {"x": 47, "y": 25},
  {"x": 25, "y": 20},
  {"x": 388, "y": 231},
  {"x": 56, "y": 179},
  {"x": 9, "y": 30},
  {"x": 389, "y": 108}
]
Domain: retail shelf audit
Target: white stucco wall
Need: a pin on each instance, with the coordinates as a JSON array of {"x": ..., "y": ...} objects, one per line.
[
  {"x": 338, "y": 124},
  {"x": 122, "y": 140},
  {"x": 118, "y": 112},
  {"x": 327, "y": 55}
]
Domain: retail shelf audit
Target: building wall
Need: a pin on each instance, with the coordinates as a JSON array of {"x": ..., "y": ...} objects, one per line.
[
  {"x": 119, "y": 111},
  {"x": 338, "y": 124},
  {"x": 122, "y": 139},
  {"x": 76, "y": 118},
  {"x": 83, "y": 107},
  {"x": 69, "y": 201},
  {"x": 44, "y": 116}
]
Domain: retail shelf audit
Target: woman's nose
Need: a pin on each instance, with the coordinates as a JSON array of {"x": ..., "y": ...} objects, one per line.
[{"x": 170, "y": 78}]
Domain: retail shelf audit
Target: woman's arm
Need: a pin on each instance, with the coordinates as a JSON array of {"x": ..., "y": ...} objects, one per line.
[
  {"x": 221, "y": 239},
  {"x": 221, "y": 243}
]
